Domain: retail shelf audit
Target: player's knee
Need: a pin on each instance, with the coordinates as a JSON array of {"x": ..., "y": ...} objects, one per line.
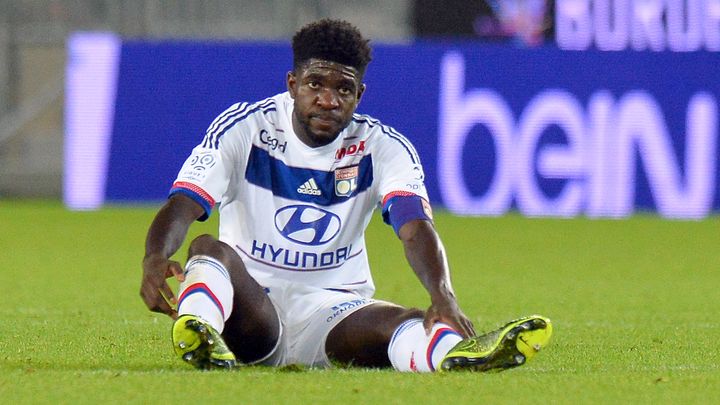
[
  {"x": 204, "y": 245},
  {"x": 409, "y": 313},
  {"x": 202, "y": 242},
  {"x": 396, "y": 318},
  {"x": 207, "y": 245}
]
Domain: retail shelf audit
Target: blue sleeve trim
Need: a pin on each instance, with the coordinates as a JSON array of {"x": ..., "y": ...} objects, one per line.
[
  {"x": 400, "y": 210},
  {"x": 195, "y": 197}
]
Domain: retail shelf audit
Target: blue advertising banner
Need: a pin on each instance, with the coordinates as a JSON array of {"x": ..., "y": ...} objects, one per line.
[{"x": 542, "y": 131}]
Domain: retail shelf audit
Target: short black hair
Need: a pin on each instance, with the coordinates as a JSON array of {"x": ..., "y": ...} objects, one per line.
[{"x": 334, "y": 40}]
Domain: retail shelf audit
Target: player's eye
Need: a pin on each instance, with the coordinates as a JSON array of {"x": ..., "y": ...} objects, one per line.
[
  {"x": 345, "y": 91},
  {"x": 314, "y": 85}
]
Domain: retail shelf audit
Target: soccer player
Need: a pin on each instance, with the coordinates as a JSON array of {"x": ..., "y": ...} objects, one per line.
[{"x": 297, "y": 177}]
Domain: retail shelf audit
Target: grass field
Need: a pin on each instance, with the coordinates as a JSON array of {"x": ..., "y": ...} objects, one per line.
[{"x": 634, "y": 302}]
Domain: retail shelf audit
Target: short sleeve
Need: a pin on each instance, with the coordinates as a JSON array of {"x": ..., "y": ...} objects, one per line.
[{"x": 206, "y": 173}]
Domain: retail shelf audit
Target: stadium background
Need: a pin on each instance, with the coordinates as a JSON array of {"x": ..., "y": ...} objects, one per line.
[
  {"x": 611, "y": 113},
  {"x": 34, "y": 33}
]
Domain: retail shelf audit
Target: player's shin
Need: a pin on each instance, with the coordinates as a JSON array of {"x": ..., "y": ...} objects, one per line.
[
  {"x": 206, "y": 292},
  {"x": 411, "y": 349}
]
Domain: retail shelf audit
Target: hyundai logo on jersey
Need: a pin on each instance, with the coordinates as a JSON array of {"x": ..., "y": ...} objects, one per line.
[{"x": 307, "y": 225}]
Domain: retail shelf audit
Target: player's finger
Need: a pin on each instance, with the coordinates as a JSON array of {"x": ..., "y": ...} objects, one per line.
[
  {"x": 167, "y": 293},
  {"x": 470, "y": 327},
  {"x": 430, "y": 318},
  {"x": 466, "y": 328},
  {"x": 163, "y": 307},
  {"x": 177, "y": 271},
  {"x": 155, "y": 302},
  {"x": 458, "y": 322},
  {"x": 457, "y": 325}
]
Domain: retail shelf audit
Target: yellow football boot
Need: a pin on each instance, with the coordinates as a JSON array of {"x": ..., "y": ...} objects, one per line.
[
  {"x": 509, "y": 346},
  {"x": 198, "y": 343}
]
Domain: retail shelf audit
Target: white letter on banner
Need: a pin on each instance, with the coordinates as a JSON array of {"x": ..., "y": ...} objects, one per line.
[
  {"x": 711, "y": 25},
  {"x": 573, "y": 25},
  {"x": 611, "y": 24},
  {"x": 602, "y": 186},
  {"x": 684, "y": 28},
  {"x": 459, "y": 113},
  {"x": 647, "y": 25},
  {"x": 700, "y": 159},
  {"x": 551, "y": 107},
  {"x": 641, "y": 125}
]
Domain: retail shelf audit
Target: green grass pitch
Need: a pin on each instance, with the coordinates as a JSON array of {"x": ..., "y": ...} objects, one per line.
[{"x": 635, "y": 305}]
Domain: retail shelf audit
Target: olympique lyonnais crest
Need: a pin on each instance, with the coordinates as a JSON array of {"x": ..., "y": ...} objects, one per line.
[{"x": 346, "y": 181}]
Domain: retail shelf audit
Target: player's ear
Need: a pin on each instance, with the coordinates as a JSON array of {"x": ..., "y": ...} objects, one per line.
[
  {"x": 361, "y": 91},
  {"x": 291, "y": 82}
]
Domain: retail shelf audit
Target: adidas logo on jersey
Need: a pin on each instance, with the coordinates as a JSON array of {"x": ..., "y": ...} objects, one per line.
[{"x": 309, "y": 187}]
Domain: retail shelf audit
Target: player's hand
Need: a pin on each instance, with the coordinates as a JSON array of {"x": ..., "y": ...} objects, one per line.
[
  {"x": 447, "y": 311},
  {"x": 155, "y": 291}
]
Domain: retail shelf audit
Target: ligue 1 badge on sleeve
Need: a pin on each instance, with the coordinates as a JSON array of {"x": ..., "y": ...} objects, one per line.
[{"x": 346, "y": 181}]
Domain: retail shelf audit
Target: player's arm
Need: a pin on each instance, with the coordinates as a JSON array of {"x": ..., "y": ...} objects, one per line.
[
  {"x": 202, "y": 179},
  {"x": 165, "y": 236},
  {"x": 426, "y": 255},
  {"x": 406, "y": 208}
]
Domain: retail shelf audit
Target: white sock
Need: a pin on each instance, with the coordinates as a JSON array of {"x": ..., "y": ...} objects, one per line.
[
  {"x": 411, "y": 349},
  {"x": 206, "y": 292}
]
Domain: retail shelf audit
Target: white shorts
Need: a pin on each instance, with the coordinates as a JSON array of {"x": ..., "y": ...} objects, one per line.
[{"x": 307, "y": 315}]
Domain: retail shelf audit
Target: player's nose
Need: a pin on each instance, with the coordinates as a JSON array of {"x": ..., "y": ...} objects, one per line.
[{"x": 328, "y": 99}]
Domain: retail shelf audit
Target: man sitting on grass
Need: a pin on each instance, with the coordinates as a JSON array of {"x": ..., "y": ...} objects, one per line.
[{"x": 297, "y": 177}]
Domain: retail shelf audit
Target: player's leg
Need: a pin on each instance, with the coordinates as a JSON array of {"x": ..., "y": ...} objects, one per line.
[
  {"x": 362, "y": 338},
  {"x": 385, "y": 334},
  {"x": 219, "y": 290}
]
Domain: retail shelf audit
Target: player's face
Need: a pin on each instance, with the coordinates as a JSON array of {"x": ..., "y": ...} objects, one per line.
[{"x": 326, "y": 95}]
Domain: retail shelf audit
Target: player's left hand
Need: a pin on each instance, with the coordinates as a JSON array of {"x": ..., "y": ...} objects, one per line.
[{"x": 447, "y": 311}]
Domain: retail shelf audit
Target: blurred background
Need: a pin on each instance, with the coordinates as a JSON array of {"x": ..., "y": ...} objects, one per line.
[
  {"x": 33, "y": 55},
  {"x": 552, "y": 108}
]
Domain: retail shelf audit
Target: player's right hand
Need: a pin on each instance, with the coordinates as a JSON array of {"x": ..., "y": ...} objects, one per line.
[
  {"x": 447, "y": 311},
  {"x": 154, "y": 290}
]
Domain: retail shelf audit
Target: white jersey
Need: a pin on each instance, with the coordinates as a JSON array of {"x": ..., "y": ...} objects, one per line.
[{"x": 291, "y": 211}]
